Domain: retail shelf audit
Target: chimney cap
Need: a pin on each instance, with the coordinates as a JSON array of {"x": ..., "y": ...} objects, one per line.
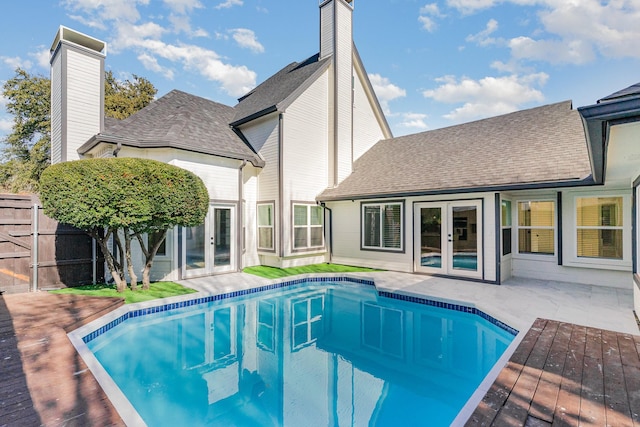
[{"x": 76, "y": 37}]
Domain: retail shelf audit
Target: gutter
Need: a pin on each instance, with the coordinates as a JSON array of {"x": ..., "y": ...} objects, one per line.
[
  {"x": 329, "y": 234},
  {"x": 240, "y": 218}
]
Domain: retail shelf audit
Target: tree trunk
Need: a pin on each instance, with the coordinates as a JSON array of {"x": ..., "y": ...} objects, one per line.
[
  {"x": 149, "y": 254},
  {"x": 127, "y": 251},
  {"x": 112, "y": 265}
]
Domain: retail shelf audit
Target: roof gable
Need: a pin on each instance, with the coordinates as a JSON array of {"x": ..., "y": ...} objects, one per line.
[
  {"x": 536, "y": 147},
  {"x": 179, "y": 120},
  {"x": 278, "y": 91}
]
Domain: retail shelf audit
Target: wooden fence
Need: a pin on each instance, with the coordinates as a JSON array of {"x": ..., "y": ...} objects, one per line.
[{"x": 37, "y": 252}]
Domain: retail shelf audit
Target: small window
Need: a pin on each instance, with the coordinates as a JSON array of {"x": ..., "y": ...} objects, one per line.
[
  {"x": 382, "y": 226},
  {"x": 536, "y": 227},
  {"x": 307, "y": 325},
  {"x": 307, "y": 227},
  {"x": 599, "y": 225},
  {"x": 266, "y": 320},
  {"x": 265, "y": 226},
  {"x": 506, "y": 227},
  {"x": 153, "y": 238}
]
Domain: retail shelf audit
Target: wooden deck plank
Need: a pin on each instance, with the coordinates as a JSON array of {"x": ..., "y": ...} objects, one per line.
[
  {"x": 43, "y": 386},
  {"x": 589, "y": 377},
  {"x": 544, "y": 400},
  {"x": 567, "y": 410},
  {"x": 617, "y": 410}
]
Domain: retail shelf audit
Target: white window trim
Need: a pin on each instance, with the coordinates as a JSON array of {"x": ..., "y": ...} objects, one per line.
[
  {"x": 503, "y": 227},
  {"x": 362, "y": 225},
  {"x": 570, "y": 224},
  {"x": 515, "y": 230},
  {"x": 272, "y": 227},
  {"x": 308, "y": 226}
]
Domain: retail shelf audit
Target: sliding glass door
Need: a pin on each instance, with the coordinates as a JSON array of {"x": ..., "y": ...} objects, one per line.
[{"x": 448, "y": 238}]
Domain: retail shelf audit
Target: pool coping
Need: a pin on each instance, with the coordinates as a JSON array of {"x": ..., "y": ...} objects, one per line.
[{"x": 81, "y": 336}]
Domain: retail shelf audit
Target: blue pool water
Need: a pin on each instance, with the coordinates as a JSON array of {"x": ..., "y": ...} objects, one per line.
[
  {"x": 308, "y": 354},
  {"x": 460, "y": 261}
]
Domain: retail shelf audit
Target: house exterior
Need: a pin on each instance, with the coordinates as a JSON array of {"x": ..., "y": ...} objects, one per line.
[{"x": 304, "y": 169}]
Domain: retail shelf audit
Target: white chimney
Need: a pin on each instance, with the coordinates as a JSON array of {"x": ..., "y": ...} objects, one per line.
[
  {"x": 77, "y": 92},
  {"x": 336, "y": 41}
]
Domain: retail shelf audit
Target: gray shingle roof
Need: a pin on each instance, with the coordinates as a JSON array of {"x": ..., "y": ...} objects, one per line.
[
  {"x": 179, "y": 120},
  {"x": 631, "y": 91},
  {"x": 538, "y": 146},
  {"x": 272, "y": 94}
]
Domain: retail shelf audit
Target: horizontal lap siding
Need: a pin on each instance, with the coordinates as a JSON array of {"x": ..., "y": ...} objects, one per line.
[
  {"x": 305, "y": 151},
  {"x": 56, "y": 110},
  {"x": 83, "y": 111},
  {"x": 264, "y": 138},
  {"x": 366, "y": 128},
  {"x": 344, "y": 94}
]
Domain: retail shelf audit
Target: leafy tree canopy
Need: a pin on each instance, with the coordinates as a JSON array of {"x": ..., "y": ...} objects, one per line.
[
  {"x": 26, "y": 151},
  {"x": 126, "y": 197}
]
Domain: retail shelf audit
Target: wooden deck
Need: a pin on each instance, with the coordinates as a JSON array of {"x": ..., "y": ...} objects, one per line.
[
  {"x": 43, "y": 380},
  {"x": 561, "y": 374},
  {"x": 566, "y": 375}
]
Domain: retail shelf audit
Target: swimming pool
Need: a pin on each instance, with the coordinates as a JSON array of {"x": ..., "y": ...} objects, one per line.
[
  {"x": 306, "y": 353},
  {"x": 461, "y": 261}
]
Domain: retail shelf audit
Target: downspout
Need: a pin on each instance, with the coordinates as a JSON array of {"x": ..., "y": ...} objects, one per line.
[
  {"x": 280, "y": 189},
  {"x": 240, "y": 218},
  {"x": 329, "y": 233},
  {"x": 117, "y": 149}
]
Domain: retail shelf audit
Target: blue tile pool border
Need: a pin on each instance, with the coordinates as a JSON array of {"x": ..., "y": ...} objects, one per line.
[{"x": 210, "y": 298}]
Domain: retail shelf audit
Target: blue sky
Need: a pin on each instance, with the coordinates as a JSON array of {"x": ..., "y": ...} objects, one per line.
[{"x": 432, "y": 63}]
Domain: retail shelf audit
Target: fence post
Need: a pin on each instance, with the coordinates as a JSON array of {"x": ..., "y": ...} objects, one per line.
[
  {"x": 34, "y": 248},
  {"x": 94, "y": 258}
]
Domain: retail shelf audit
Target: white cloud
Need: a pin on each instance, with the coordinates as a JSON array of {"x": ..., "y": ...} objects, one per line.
[
  {"x": 247, "y": 39},
  {"x": 183, "y": 6},
  {"x": 488, "y": 96},
  {"x": 6, "y": 124},
  {"x": 427, "y": 12},
  {"x": 483, "y": 37},
  {"x": 552, "y": 51},
  {"x": 112, "y": 10},
  {"x": 182, "y": 24},
  {"x": 151, "y": 63},
  {"x": 14, "y": 62},
  {"x": 229, "y": 3},
  {"x": 41, "y": 57},
  {"x": 414, "y": 121},
  {"x": 385, "y": 91}
]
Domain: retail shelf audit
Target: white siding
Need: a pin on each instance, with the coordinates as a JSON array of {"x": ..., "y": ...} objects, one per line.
[
  {"x": 366, "y": 128},
  {"x": 344, "y": 95},
  {"x": 84, "y": 92},
  {"x": 326, "y": 30},
  {"x": 347, "y": 235},
  {"x": 305, "y": 151},
  {"x": 56, "y": 109},
  {"x": 250, "y": 195},
  {"x": 264, "y": 137},
  {"x": 220, "y": 176}
]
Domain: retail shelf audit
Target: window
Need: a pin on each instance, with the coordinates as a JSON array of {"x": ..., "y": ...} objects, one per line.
[
  {"x": 382, "y": 226},
  {"x": 153, "y": 238},
  {"x": 536, "y": 227},
  {"x": 266, "y": 321},
  {"x": 307, "y": 226},
  {"x": 599, "y": 227},
  {"x": 383, "y": 329},
  {"x": 265, "y": 226},
  {"x": 307, "y": 321},
  {"x": 506, "y": 227}
]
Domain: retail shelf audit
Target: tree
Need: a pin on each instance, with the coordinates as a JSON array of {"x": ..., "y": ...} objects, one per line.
[
  {"x": 27, "y": 148},
  {"x": 122, "y": 99},
  {"x": 123, "y": 198}
]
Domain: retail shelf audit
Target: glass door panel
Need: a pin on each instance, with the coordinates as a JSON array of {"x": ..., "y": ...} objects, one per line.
[
  {"x": 194, "y": 246},
  {"x": 448, "y": 238},
  {"x": 222, "y": 239},
  {"x": 464, "y": 254},
  {"x": 431, "y": 237}
]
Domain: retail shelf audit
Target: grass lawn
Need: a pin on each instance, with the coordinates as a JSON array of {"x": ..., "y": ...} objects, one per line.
[
  {"x": 157, "y": 290},
  {"x": 275, "y": 273}
]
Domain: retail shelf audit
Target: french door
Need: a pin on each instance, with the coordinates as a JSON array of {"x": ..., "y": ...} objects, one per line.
[
  {"x": 210, "y": 247},
  {"x": 448, "y": 238}
]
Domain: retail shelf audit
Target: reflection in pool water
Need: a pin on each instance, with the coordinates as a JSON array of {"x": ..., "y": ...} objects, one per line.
[{"x": 310, "y": 354}]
